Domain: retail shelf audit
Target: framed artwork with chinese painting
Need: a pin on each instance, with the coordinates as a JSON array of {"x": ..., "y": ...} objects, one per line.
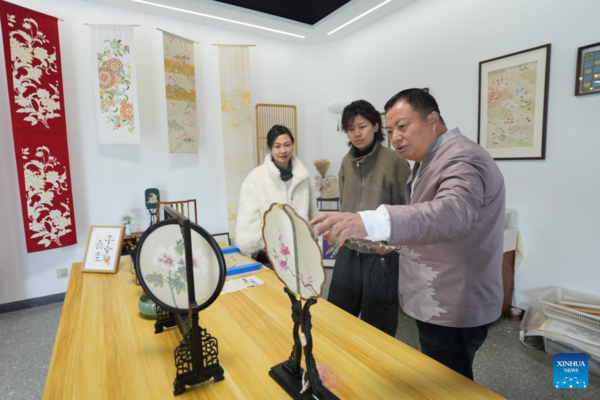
[
  {"x": 513, "y": 104},
  {"x": 103, "y": 250},
  {"x": 587, "y": 78},
  {"x": 293, "y": 252}
]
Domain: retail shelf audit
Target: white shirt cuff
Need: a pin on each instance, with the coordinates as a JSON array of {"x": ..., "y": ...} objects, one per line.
[{"x": 377, "y": 223}]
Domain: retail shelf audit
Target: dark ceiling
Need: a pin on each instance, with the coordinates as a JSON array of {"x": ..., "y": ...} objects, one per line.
[{"x": 306, "y": 11}]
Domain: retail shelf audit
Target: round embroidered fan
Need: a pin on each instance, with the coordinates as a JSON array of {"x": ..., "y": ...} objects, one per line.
[
  {"x": 161, "y": 266},
  {"x": 294, "y": 253}
]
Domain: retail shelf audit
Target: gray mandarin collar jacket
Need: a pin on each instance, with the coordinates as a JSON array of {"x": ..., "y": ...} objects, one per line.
[{"x": 452, "y": 234}]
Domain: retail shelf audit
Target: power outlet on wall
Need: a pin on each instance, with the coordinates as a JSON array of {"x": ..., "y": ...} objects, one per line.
[{"x": 62, "y": 273}]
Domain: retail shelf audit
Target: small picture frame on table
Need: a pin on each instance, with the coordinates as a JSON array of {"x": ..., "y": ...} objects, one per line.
[
  {"x": 587, "y": 76},
  {"x": 103, "y": 249}
]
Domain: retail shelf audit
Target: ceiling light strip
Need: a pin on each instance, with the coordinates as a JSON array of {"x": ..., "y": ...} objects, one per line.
[
  {"x": 218, "y": 18},
  {"x": 359, "y": 17}
]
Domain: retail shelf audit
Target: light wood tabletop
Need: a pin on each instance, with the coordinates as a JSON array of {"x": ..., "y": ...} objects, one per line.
[{"x": 105, "y": 349}]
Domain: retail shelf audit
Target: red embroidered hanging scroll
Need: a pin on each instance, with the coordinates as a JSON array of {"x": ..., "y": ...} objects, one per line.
[{"x": 33, "y": 69}]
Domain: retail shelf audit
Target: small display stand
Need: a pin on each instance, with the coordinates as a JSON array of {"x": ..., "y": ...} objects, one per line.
[
  {"x": 181, "y": 268},
  {"x": 152, "y": 197},
  {"x": 296, "y": 259}
]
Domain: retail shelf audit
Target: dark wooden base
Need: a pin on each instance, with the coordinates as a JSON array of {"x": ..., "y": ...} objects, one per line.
[
  {"x": 293, "y": 384},
  {"x": 508, "y": 279},
  {"x": 191, "y": 379}
]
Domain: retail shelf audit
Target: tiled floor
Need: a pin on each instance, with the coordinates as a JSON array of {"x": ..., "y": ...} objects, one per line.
[{"x": 503, "y": 364}]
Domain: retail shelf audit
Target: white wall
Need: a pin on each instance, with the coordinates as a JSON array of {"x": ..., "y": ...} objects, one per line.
[
  {"x": 431, "y": 43},
  {"x": 439, "y": 44},
  {"x": 106, "y": 179}
]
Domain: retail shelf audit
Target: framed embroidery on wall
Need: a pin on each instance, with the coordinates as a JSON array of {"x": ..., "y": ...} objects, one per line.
[
  {"x": 103, "y": 249},
  {"x": 513, "y": 104},
  {"x": 587, "y": 77}
]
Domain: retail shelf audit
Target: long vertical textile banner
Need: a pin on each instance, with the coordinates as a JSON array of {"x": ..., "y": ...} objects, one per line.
[
  {"x": 180, "y": 85},
  {"x": 34, "y": 75},
  {"x": 236, "y": 114},
  {"x": 115, "y": 84}
]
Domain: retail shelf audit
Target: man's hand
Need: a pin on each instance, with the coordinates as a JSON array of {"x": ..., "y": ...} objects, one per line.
[{"x": 342, "y": 226}]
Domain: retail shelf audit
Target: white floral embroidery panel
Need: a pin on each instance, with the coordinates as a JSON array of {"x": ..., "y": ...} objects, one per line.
[
  {"x": 32, "y": 57},
  {"x": 45, "y": 178},
  {"x": 115, "y": 84}
]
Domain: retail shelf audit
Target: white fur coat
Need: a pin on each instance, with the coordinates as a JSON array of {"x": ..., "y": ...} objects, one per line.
[{"x": 263, "y": 187}]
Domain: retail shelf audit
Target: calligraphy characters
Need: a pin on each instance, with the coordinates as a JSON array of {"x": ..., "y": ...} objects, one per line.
[{"x": 103, "y": 249}]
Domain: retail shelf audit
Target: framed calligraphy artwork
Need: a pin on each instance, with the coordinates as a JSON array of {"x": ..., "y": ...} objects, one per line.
[{"x": 103, "y": 249}]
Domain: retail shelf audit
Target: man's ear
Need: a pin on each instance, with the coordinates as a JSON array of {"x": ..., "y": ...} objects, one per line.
[{"x": 434, "y": 118}]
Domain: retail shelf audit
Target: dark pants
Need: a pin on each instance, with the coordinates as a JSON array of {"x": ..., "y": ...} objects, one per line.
[
  {"x": 453, "y": 347},
  {"x": 363, "y": 284}
]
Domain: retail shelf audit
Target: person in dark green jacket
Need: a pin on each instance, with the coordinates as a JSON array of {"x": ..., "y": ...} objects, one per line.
[{"x": 365, "y": 283}]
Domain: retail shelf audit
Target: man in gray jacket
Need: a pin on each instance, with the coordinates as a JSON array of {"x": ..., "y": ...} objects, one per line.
[{"x": 451, "y": 231}]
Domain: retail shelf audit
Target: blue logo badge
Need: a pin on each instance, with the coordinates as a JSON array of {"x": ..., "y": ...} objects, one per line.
[{"x": 571, "y": 371}]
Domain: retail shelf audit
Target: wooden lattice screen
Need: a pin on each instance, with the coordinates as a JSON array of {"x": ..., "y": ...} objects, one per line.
[{"x": 268, "y": 115}]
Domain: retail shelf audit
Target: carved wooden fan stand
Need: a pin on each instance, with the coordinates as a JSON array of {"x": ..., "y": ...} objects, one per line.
[
  {"x": 289, "y": 374},
  {"x": 196, "y": 357}
]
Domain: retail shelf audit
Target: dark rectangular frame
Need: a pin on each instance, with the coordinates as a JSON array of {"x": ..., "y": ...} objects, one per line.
[
  {"x": 545, "y": 109},
  {"x": 578, "y": 70}
]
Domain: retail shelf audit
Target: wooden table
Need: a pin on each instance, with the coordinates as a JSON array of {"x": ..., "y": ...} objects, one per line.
[{"x": 104, "y": 349}]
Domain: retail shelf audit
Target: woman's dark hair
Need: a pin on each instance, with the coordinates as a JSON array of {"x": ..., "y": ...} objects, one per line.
[
  {"x": 367, "y": 111},
  {"x": 421, "y": 101},
  {"x": 275, "y": 132}
]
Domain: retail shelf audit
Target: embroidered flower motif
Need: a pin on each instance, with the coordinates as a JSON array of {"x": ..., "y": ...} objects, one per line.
[
  {"x": 105, "y": 78},
  {"x": 283, "y": 265},
  {"x": 46, "y": 197},
  {"x": 114, "y": 65},
  {"x": 166, "y": 258},
  {"x": 61, "y": 222},
  {"x": 283, "y": 249},
  {"x": 40, "y": 53},
  {"x": 34, "y": 181},
  {"x": 52, "y": 177},
  {"x": 114, "y": 80},
  {"x": 43, "y": 183},
  {"x": 43, "y": 93},
  {"x": 26, "y": 45},
  {"x": 127, "y": 111},
  {"x": 280, "y": 254}
]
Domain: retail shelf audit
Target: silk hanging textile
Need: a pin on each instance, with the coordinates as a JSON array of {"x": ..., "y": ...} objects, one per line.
[
  {"x": 180, "y": 85},
  {"x": 236, "y": 115},
  {"x": 34, "y": 77},
  {"x": 115, "y": 84}
]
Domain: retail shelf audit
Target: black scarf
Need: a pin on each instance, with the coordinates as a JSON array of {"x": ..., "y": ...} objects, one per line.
[
  {"x": 285, "y": 173},
  {"x": 361, "y": 153}
]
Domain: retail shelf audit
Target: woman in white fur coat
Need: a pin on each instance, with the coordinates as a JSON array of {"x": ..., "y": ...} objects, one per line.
[{"x": 282, "y": 178}]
